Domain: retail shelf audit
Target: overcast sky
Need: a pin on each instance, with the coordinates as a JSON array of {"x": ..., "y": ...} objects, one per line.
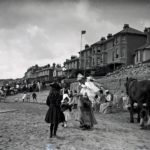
[{"x": 46, "y": 31}]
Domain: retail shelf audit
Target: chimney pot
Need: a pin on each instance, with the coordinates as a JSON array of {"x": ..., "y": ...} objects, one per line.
[
  {"x": 126, "y": 26},
  {"x": 103, "y": 39},
  {"x": 73, "y": 57},
  {"x": 86, "y": 46},
  {"x": 109, "y": 35}
]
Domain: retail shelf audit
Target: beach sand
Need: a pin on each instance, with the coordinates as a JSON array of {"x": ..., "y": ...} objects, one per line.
[{"x": 25, "y": 129}]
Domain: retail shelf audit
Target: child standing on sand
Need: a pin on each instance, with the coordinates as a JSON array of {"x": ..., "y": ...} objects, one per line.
[
  {"x": 24, "y": 96},
  {"x": 66, "y": 107},
  {"x": 54, "y": 115},
  {"x": 34, "y": 96}
]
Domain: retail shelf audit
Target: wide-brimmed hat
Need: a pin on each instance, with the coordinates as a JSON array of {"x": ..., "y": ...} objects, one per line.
[
  {"x": 79, "y": 77},
  {"x": 90, "y": 78},
  {"x": 106, "y": 91},
  {"x": 55, "y": 86}
]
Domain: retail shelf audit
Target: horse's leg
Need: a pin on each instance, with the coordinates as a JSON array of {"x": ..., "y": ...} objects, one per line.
[
  {"x": 142, "y": 115},
  {"x": 139, "y": 114},
  {"x": 131, "y": 111},
  {"x": 148, "y": 108},
  {"x": 139, "y": 109},
  {"x": 148, "y": 122}
]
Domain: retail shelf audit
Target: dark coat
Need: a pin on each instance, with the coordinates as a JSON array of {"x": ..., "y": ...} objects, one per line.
[{"x": 54, "y": 114}]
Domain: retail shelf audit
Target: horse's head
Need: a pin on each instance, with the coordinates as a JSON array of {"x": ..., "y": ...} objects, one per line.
[{"x": 129, "y": 81}]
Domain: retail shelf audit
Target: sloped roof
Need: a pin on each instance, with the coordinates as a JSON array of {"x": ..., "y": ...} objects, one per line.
[
  {"x": 145, "y": 46},
  {"x": 131, "y": 30},
  {"x": 124, "y": 31}
]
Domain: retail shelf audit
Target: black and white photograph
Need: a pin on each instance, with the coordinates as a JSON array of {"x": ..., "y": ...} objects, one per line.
[{"x": 74, "y": 74}]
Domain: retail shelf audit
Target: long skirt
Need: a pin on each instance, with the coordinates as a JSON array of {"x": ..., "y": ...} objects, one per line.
[
  {"x": 54, "y": 115},
  {"x": 86, "y": 116}
]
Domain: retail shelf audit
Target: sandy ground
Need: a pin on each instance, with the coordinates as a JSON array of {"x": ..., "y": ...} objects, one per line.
[{"x": 22, "y": 127}]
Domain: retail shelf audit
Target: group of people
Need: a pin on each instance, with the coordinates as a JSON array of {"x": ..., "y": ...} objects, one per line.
[
  {"x": 26, "y": 97},
  {"x": 83, "y": 102}
]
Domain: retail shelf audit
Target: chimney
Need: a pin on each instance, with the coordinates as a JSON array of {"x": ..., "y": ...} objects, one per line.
[
  {"x": 147, "y": 31},
  {"x": 126, "y": 26},
  {"x": 109, "y": 36},
  {"x": 103, "y": 39},
  {"x": 86, "y": 46},
  {"x": 73, "y": 57}
]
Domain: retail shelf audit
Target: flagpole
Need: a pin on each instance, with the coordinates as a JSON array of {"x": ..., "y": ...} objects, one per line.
[
  {"x": 82, "y": 32},
  {"x": 80, "y": 49}
]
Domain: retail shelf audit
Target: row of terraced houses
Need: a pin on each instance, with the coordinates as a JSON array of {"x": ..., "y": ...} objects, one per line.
[{"x": 127, "y": 47}]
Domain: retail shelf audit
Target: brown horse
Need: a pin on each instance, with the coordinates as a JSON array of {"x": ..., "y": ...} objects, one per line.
[{"x": 139, "y": 92}]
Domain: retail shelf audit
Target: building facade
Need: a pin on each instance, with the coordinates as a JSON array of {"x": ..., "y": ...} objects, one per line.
[
  {"x": 142, "y": 54},
  {"x": 71, "y": 66},
  {"x": 114, "y": 51},
  {"x": 36, "y": 73},
  {"x": 58, "y": 72},
  {"x": 45, "y": 74}
]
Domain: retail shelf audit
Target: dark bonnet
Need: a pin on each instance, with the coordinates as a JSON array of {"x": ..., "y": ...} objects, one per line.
[{"x": 55, "y": 86}]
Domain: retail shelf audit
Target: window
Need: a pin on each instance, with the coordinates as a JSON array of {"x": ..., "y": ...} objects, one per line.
[
  {"x": 122, "y": 52},
  {"x": 113, "y": 56},
  {"x": 98, "y": 51},
  {"x": 123, "y": 38},
  {"x": 102, "y": 57},
  {"x": 117, "y": 53},
  {"x": 98, "y": 48},
  {"x": 104, "y": 46},
  {"x": 137, "y": 56},
  {"x": 98, "y": 61},
  {"x": 93, "y": 61},
  {"x": 116, "y": 41},
  {"x": 141, "y": 56}
]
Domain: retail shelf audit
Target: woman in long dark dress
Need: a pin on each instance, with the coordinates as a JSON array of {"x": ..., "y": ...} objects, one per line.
[
  {"x": 54, "y": 114},
  {"x": 85, "y": 112}
]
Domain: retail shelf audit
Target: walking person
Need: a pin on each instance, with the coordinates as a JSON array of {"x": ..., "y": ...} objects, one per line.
[
  {"x": 86, "y": 115},
  {"x": 34, "y": 96},
  {"x": 81, "y": 80},
  {"x": 54, "y": 115},
  {"x": 24, "y": 96}
]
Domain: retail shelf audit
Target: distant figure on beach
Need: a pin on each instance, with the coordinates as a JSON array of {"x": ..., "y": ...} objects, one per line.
[
  {"x": 24, "y": 96},
  {"x": 28, "y": 97},
  {"x": 34, "y": 96},
  {"x": 54, "y": 115}
]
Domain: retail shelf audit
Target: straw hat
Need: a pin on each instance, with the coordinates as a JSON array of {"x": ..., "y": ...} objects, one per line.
[
  {"x": 90, "y": 78},
  {"x": 106, "y": 91},
  {"x": 79, "y": 77}
]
